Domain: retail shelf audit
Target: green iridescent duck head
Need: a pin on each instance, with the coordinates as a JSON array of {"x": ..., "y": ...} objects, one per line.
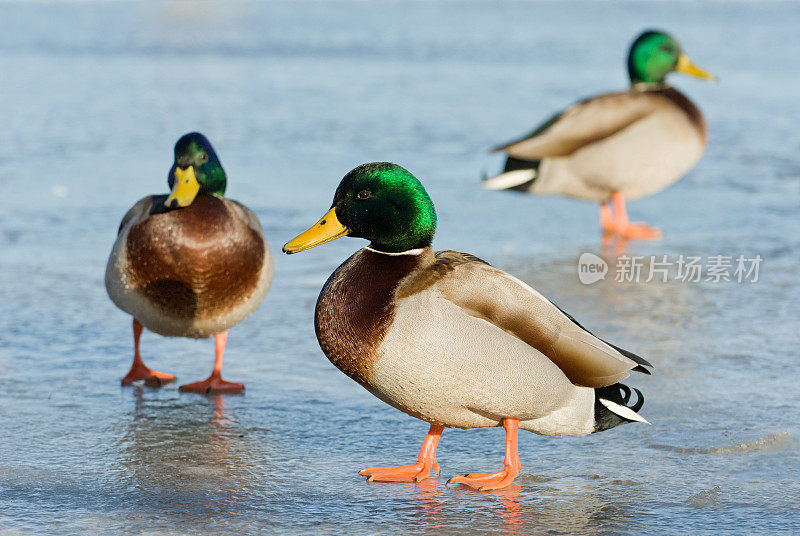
[
  {"x": 381, "y": 202},
  {"x": 655, "y": 54},
  {"x": 196, "y": 170}
]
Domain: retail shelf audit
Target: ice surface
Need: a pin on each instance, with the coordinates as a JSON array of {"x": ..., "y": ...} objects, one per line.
[{"x": 293, "y": 95}]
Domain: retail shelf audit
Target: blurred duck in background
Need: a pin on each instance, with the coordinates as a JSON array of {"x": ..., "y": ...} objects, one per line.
[
  {"x": 189, "y": 264},
  {"x": 615, "y": 146},
  {"x": 451, "y": 340}
]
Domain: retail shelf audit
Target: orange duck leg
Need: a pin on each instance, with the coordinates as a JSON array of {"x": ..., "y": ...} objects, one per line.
[
  {"x": 410, "y": 473},
  {"x": 626, "y": 229},
  {"x": 139, "y": 370},
  {"x": 214, "y": 384},
  {"x": 500, "y": 479}
]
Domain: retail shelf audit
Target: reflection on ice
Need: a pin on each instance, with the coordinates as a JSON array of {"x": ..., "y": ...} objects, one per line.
[{"x": 187, "y": 454}]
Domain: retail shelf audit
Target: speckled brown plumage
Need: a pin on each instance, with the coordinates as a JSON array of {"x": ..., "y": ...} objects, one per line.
[{"x": 198, "y": 261}]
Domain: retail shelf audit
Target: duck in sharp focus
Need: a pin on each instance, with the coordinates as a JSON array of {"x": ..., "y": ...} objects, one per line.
[
  {"x": 448, "y": 338},
  {"x": 189, "y": 264},
  {"x": 615, "y": 146}
]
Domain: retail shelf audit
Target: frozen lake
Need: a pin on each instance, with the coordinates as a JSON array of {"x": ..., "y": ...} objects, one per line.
[{"x": 295, "y": 94}]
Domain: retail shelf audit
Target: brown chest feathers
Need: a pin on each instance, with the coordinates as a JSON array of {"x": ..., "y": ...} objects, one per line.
[
  {"x": 198, "y": 261},
  {"x": 356, "y": 308}
]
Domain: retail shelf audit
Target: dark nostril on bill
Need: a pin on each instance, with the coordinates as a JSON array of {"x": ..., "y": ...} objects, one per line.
[{"x": 323, "y": 222}]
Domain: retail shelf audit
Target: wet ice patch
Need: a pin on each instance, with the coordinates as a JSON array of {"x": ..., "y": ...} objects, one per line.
[
  {"x": 707, "y": 499},
  {"x": 207, "y": 471},
  {"x": 770, "y": 443}
]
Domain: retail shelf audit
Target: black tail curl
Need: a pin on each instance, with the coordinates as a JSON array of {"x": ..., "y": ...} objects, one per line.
[{"x": 619, "y": 394}]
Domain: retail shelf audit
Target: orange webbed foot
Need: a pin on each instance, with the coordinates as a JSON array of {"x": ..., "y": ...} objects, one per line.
[
  {"x": 639, "y": 231},
  {"x": 211, "y": 386},
  {"x": 500, "y": 479},
  {"x": 416, "y": 472},
  {"x": 151, "y": 378},
  {"x": 618, "y": 221},
  {"x": 487, "y": 481},
  {"x": 214, "y": 384},
  {"x": 139, "y": 371}
]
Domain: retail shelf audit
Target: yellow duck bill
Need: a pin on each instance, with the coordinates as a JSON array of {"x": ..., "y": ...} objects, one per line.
[
  {"x": 686, "y": 66},
  {"x": 185, "y": 188},
  {"x": 326, "y": 229}
]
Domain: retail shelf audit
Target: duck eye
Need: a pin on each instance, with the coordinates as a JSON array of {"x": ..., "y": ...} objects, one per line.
[
  {"x": 666, "y": 48},
  {"x": 364, "y": 194},
  {"x": 204, "y": 157}
]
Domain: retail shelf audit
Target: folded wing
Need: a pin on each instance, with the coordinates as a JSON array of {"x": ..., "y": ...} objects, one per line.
[
  {"x": 582, "y": 123},
  {"x": 486, "y": 292}
]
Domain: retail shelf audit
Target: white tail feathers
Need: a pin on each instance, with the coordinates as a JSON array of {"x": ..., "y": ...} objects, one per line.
[
  {"x": 622, "y": 411},
  {"x": 509, "y": 179}
]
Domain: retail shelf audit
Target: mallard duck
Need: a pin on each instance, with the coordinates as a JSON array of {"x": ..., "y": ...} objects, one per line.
[
  {"x": 615, "y": 146},
  {"x": 190, "y": 263},
  {"x": 450, "y": 339}
]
